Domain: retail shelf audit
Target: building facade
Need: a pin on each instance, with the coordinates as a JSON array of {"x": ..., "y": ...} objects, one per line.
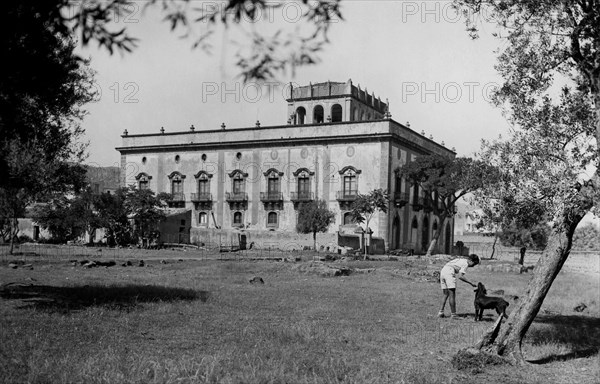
[{"x": 339, "y": 141}]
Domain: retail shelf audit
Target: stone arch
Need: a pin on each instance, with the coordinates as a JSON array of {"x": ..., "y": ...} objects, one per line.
[{"x": 300, "y": 116}]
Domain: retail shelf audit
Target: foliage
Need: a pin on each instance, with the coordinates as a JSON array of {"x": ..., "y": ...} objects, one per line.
[
  {"x": 314, "y": 217},
  {"x": 534, "y": 237},
  {"x": 146, "y": 210},
  {"x": 112, "y": 216},
  {"x": 550, "y": 63},
  {"x": 587, "y": 238},
  {"x": 67, "y": 219},
  {"x": 448, "y": 178},
  {"x": 42, "y": 89},
  {"x": 365, "y": 206},
  {"x": 263, "y": 53}
]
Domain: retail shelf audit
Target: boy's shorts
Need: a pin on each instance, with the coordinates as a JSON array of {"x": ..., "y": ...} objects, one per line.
[{"x": 448, "y": 278}]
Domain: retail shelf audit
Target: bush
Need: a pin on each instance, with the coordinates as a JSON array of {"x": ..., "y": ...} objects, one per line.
[{"x": 587, "y": 238}]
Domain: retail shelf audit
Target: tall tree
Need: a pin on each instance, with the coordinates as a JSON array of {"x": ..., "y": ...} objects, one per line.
[
  {"x": 551, "y": 158},
  {"x": 366, "y": 206},
  {"x": 42, "y": 89},
  {"x": 147, "y": 211},
  {"x": 314, "y": 217},
  {"x": 444, "y": 180},
  {"x": 113, "y": 217}
]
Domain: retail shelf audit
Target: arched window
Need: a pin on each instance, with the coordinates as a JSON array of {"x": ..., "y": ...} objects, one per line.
[
  {"x": 362, "y": 116},
  {"x": 356, "y": 114},
  {"x": 336, "y": 113},
  {"x": 203, "y": 191},
  {"x": 203, "y": 219},
  {"x": 238, "y": 219},
  {"x": 318, "y": 115},
  {"x": 176, "y": 179},
  {"x": 300, "y": 115},
  {"x": 143, "y": 181},
  {"x": 272, "y": 219},
  {"x": 415, "y": 223}
]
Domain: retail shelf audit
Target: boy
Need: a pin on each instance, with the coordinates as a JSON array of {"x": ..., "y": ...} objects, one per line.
[{"x": 448, "y": 280}]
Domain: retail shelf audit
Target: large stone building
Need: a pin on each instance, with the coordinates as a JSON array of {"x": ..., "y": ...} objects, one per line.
[{"x": 339, "y": 141}]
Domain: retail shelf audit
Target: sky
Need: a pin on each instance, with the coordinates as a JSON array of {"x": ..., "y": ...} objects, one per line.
[{"x": 417, "y": 55}]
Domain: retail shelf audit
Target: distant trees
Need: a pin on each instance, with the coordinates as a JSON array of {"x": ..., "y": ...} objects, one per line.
[
  {"x": 587, "y": 238},
  {"x": 366, "y": 206},
  {"x": 444, "y": 180},
  {"x": 314, "y": 217},
  {"x": 128, "y": 216}
]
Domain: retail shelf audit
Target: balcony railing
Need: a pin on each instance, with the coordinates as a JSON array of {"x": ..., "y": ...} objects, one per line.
[
  {"x": 401, "y": 198},
  {"x": 346, "y": 195},
  {"x": 301, "y": 196},
  {"x": 239, "y": 196},
  {"x": 177, "y": 196},
  {"x": 271, "y": 196},
  {"x": 202, "y": 196}
]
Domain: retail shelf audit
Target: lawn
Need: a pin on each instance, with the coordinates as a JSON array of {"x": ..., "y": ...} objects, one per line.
[{"x": 187, "y": 321}]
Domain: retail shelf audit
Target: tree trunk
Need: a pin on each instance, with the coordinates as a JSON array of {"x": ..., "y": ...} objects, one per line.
[
  {"x": 315, "y": 241},
  {"x": 510, "y": 337},
  {"x": 494, "y": 245},
  {"x": 14, "y": 229},
  {"x": 436, "y": 236}
]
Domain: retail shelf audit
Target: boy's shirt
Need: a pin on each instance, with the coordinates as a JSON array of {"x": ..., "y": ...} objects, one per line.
[{"x": 459, "y": 265}]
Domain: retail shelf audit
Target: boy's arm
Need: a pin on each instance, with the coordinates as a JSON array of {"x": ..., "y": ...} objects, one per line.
[{"x": 466, "y": 281}]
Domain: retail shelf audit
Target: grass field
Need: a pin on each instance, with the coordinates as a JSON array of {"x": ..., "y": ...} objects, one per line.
[{"x": 202, "y": 321}]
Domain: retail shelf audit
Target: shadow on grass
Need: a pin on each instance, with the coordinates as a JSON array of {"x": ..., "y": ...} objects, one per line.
[
  {"x": 580, "y": 333},
  {"x": 80, "y": 297}
]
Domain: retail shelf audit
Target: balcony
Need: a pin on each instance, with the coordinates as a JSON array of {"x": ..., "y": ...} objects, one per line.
[
  {"x": 267, "y": 197},
  {"x": 201, "y": 197},
  {"x": 401, "y": 199},
  {"x": 417, "y": 204},
  {"x": 301, "y": 196},
  {"x": 177, "y": 197},
  {"x": 236, "y": 197},
  {"x": 346, "y": 195}
]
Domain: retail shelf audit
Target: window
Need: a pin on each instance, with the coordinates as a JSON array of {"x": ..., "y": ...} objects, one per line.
[
  {"x": 272, "y": 219},
  {"x": 237, "y": 219},
  {"x": 203, "y": 219},
  {"x": 303, "y": 186},
  {"x": 415, "y": 194},
  {"x": 273, "y": 185},
  {"x": 203, "y": 186},
  {"x": 239, "y": 185},
  {"x": 336, "y": 113},
  {"x": 350, "y": 185},
  {"x": 349, "y": 181},
  {"x": 143, "y": 181},
  {"x": 318, "y": 115},
  {"x": 177, "y": 195},
  {"x": 176, "y": 186}
]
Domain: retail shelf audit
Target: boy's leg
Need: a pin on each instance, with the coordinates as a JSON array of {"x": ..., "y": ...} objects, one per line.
[
  {"x": 445, "y": 291},
  {"x": 452, "y": 298}
]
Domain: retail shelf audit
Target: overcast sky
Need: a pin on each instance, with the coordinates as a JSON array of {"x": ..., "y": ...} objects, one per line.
[{"x": 415, "y": 54}]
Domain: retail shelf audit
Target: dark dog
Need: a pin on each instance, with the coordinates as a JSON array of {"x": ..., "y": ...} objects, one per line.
[{"x": 488, "y": 302}]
